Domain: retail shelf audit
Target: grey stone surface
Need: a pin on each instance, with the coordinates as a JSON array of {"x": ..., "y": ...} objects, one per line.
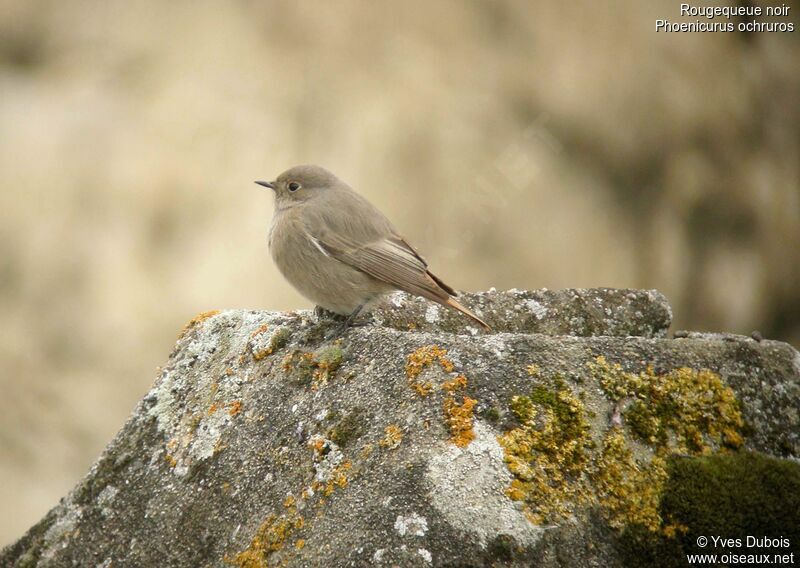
[
  {"x": 579, "y": 312},
  {"x": 259, "y": 432}
]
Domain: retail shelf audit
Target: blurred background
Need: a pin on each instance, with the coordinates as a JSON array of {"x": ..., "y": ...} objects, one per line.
[{"x": 518, "y": 144}]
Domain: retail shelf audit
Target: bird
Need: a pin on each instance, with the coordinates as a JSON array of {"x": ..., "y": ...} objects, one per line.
[{"x": 339, "y": 251}]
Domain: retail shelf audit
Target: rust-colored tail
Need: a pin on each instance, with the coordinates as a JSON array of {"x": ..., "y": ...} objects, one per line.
[{"x": 455, "y": 305}]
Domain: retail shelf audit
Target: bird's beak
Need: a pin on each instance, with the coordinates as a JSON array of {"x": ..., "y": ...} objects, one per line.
[{"x": 269, "y": 184}]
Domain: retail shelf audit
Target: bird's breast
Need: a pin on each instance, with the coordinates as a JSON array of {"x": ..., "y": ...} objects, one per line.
[
  {"x": 288, "y": 239},
  {"x": 326, "y": 281}
]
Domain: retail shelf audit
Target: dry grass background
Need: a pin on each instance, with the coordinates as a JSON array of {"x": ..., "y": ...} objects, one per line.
[{"x": 519, "y": 144}]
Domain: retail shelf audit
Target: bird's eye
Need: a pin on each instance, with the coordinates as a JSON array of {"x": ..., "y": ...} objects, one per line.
[{"x": 294, "y": 186}]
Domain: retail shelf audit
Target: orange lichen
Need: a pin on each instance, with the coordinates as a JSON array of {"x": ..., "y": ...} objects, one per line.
[
  {"x": 196, "y": 321},
  {"x": 275, "y": 532},
  {"x": 317, "y": 443},
  {"x": 338, "y": 478},
  {"x": 170, "y": 460},
  {"x": 270, "y": 537},
  {"x": 459, "y": 418},
  {"x": 422, "y": 389},
  {"x": 279, "y": 340},
  {"x": 262, "y": 354},
  {"x": 458, "y": 383},
  {"x": 422, "y": 358},
  {"x": 235, "y": 407},
  {"x": 394, "y": 435},
  {"x": 259, "y": 331},
  {"x": 458, "y": 415}
]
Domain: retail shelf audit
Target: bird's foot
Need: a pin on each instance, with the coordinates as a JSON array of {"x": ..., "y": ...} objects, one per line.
[
  {"x": 322, "y": 314},
  {"x": 343, "y": 322}
]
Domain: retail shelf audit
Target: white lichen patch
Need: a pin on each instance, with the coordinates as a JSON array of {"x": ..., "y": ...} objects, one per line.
[
  {"x": 106, "y": 498},
  {"x": 537, "y": 309},
  {"x": 63, "y": 527},
  {"x": 496, "y": 343},
  {"x": 432, "y": 313},
  {"x": 467, "y": 487},
  {"x": 426, "y": 555},
  {"x": 208, "y": 434},
  {"x": 398, "y": 299},
  {"x": 327, "y": 457},
  {"x": 199, "y": 395},
  {"x": 411, "y": 525}
]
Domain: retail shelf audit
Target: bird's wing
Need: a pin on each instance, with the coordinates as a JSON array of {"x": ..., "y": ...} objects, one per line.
[
  {"x": 393, "y": 261},
  {"x": 360, "y": 236},
  {"x": 390, "y": 260},
  {"x": 373, "y": 247},
  {"x": 436, "y": 279},
  {"x": 348, "y": 228}
]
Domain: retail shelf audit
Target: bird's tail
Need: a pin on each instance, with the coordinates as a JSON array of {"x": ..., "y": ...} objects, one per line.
[{"x": 455, "y": 305}]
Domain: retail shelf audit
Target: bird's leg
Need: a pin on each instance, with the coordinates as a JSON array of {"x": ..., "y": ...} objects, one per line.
[
  {"x": 349, "y": 321},
  {"x": 345, "y": 322},
  {"x": 322, "y": 313}
]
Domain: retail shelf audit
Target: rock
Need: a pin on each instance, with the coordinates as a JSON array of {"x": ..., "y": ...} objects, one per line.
[
  {"x": 574, "y": 434},
  {"x": 579, "y": 312}
]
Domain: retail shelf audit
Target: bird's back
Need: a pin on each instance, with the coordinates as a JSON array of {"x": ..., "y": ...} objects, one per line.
[{"x": 341, "y": 212}]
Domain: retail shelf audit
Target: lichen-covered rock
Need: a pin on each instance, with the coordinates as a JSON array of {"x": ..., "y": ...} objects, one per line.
[
  {"x": 575, "y": 434},
  {"x": 579, "y": 312}
]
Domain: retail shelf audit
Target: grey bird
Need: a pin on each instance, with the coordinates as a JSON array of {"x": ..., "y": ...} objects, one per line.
[{"x": 339, "y": 251}]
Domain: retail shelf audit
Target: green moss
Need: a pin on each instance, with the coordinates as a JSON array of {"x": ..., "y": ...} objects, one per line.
[
  {"x": 492, "y": 414},
  {"x": 686, "y": 410},
  {"x": 314, "y": 368},
  {"x": 728, "y": 495},
  {"x": 548, "y": 453},
  {"x": 349, "y": 428},
  {"x": 559, "y": 469},
  {"x": 568, "y": 411},
  {"x": 502, "y": 548},
  {"x": 280, "y": 339},
  {"x": 329, "y": 358}
]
